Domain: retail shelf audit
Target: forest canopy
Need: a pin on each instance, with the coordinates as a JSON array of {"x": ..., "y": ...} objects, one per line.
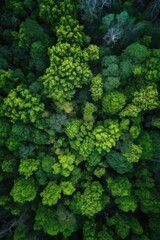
[{"x": 79, "y": 119}]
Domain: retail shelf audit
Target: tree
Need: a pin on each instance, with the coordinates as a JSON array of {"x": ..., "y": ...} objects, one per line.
[
  {"x": 127, "y": 203},
  {"x": 51, "y": 194},
  {"x": 21, "y": 132},
  {"x": 30, "y": 31},
  {"x": 121, "y": 29},
  {"x": 111, "y": 83},
  {"x": 90, "y": 9},
  {"x": 146, "y": 98},
  {"x": 104, "y": 234},
  {"x": 89, "y": 229},
  {"x": 135, "y": 131},
  {"x": 146, "y": 144},
  {"x": 118, "y": 162},
  {"x": 96, "y": 88},
  {"x": 119, "y": 186},
  {"x": 144, "y": 185},
  {"x": 20, "y": 104},
  {"x": 65, "y": 164},
  {"x": 55, "y": 222},
  {"x": 94, "y": 159},
  {"x": 149, "y": 68},
  {"x": 24, "y": 190},
  {"x": 25, "y": 151},
  {"x": 57, "y": 121},
  {"x": 113, "y": 102},
  {"x": 130, "y": 111},
  {"x": 39, "y": 56},
  {"x": 91, "y": 201},
  {"x": 106, "y": 136},
  {"x": 46, "y": 220},
  {"x": 67, "y": 188},
  {"x": 131, "y": 152},
  {"x": 38, "y": 51},
  {"x": 47, "y": 162},
  {"x": 69, "y": 30},
  {"x": 12, "y": 144},
  {"x": 136, "y": 227},
  {"x": 68, "y": 71},
  {"x": 7, "y": 80},
  {"x": 4, "y": 131},
  {"x": 136, "y": 52},
  {"x": 72, "y": 128},
  {"x": 51, "y": 11},
  {"x": 28, "y": 166},
  {"x": 87, "y": 145},
  {"x": 121, "y": 225},
  {"x": 89, "y": 109},
  {"x": 40, "y": 137},
  {"x": 125, "y": 68},
  {"x": 110, "y": 72}
]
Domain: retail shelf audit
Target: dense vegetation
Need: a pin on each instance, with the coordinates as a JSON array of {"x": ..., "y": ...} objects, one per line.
[{"x": 79, "y": 119}]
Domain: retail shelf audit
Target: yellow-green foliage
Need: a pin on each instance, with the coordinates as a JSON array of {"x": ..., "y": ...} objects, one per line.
[
  {"x": 113, "y": 102},
  {"x": 96, "y": 87},
  {"x": 79, "y": 120},
  {"x": 51, "y": 194},
  {"x": 68, "y": 71},
  {"x": 24, "y": 190},
  {"x": 20, "y": 104},
  {"x": 106, "y": 138}
]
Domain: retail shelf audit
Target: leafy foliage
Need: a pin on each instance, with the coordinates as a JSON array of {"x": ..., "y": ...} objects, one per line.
[
  {"x": 28, "y": 166},
  {"x": 118, "y": 162},
  {"x": 24, "y": 190},
  {"x": 18, "y": 101},
  {"x": 91, "y": 201},
  {"x": 51, "y": 194},
  {"x": 67, "y": 64},
  {"x": 79, "y": 120},
  {"x": 113, "y": 102}
]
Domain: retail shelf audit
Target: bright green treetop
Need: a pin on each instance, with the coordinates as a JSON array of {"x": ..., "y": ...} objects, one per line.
[
  {"x": 20, "y": 104},
  {"x": 69, "y": 30},
  {"x": 68, "y": 71},
  {"x": 127, "y": 203},
  {"x": 72, "y": 128},
  {"x": 24, "y": 190},
  {"x": 51, "y": 194},
  {"x": 7, "y": 80},
  {"x": 65, "y": 164},
  {"x": 67, "y": 188},
  {"x": 113, "y": 102},
  {"x": 96, "y": 87},
  {"x": 91, "y": 201},
  {"x": 106, "y": 137},
  {"x": 146, "y": 98},
  {"x": 28, "y": 166},
  {"x": 52, "y": 10}
]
